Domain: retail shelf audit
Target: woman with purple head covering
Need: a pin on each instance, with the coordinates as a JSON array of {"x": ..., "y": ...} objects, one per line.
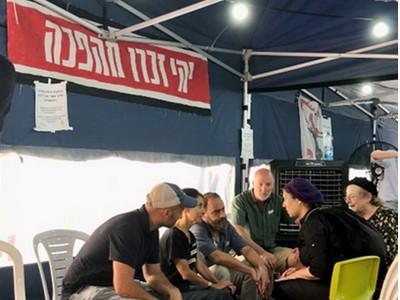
[
  {"x": 310, "y": 265},
  {"x": 327, "y": 235}
]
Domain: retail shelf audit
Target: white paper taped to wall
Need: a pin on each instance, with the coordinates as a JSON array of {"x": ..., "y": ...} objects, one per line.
[{"x": 51, "y": 111}]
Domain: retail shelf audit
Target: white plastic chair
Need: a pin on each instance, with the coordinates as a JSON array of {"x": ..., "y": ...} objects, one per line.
[
  {"x": 59, "y": 246},
  {"x": 389, "y": 287},
  {"x": 18, "y": 269}
]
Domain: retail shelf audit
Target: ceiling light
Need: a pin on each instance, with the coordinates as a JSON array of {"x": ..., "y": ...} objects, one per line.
[
  {"x": 380, "y": 29},
  {"x": 240, "y": 11},
  {"x": 366, "y": 89}
]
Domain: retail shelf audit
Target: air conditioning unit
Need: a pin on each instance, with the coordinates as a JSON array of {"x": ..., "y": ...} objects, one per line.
[{"x": 329, "y": 176}]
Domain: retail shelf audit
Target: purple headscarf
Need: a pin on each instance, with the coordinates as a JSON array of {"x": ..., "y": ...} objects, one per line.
[{"x": 304, "y": 190}]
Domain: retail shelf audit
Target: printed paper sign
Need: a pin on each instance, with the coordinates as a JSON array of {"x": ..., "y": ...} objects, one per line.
[
  {"x": 51, "y": 113},
  {"x": 247, "y": 144}
]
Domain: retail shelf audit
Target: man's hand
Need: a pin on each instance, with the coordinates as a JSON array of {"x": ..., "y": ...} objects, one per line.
[
  {"x": 293, "y": 259},
  {"x": 269, "y": 260},
  {"x": 265, "y": 283},
  {"x": 231, "y": 288},
  {"x": 221, "y": 284},
  {"x": 224, "y": 284},
  {"x": 301, "y": 273},
  {"x": 175, "y": 294},
  {"x": 255, "y": 275}
]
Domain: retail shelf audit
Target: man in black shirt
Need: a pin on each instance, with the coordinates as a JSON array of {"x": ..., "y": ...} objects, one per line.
[
  {"x": 106, "y": 266},
  {"x": 7, "y": 81}
]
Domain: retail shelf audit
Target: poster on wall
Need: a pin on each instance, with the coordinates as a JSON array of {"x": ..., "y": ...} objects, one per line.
[
  {"x": 315, "y": 130},
  {"x": 51, "y": 110},
  {"x": 68, "y": 51}
]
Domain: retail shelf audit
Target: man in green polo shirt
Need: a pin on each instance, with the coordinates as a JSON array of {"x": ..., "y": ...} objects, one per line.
[{"x": 256, "y": 215}]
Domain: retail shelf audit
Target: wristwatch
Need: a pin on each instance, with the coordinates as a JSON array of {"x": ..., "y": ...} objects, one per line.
[{"x": 209, "y": 284}]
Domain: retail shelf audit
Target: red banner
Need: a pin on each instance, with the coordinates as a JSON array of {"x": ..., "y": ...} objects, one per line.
[{"x": 40, "y": 42}]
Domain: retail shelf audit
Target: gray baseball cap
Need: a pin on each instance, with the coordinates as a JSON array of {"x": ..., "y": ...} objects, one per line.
[{"x": 166, "y": 194}]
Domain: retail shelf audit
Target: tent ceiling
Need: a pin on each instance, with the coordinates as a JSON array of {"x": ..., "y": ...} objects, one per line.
[
  {"x": 333, "y": 26},
  {"x": 308, "y": 26},
  {"x": 385, "y": 96}
]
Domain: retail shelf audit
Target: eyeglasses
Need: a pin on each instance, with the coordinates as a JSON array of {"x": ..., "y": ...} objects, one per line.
[{"x": 350, "y": 197}]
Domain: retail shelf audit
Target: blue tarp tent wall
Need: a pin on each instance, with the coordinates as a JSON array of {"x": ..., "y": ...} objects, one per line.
[
  {"x": 326, "y": 26},
  {"x": 276, "y": 25},
  {"x": 334, "y": 26}
]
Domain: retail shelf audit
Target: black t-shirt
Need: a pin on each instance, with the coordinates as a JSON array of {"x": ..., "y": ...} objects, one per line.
[
  {"x": 174, "y": 244},
  {"x": 125, "y": 238},
  {"x": 7, "y": 81}
]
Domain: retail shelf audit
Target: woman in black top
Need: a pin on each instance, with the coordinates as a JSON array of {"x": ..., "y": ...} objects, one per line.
[
  {"x": 310, "y": 265},
  {"x": 180, "y": 261}
]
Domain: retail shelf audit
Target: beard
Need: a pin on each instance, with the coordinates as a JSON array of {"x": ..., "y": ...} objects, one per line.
[{"x": 218, "y": 225}]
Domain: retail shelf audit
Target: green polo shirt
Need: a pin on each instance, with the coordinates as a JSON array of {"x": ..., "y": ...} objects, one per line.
[{"x": 262, "y": 223}]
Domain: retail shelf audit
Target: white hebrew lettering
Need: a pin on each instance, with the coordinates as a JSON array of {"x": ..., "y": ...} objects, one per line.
[
  {"x": 133, "y": 64},
  {"x": 184, "y": 70},
  {"x": 173, "y": 67},
  {"x": 153, "y": 57},
  {"x": 161, "y": 60},
  {"x": 97, "y": 61},
  {"x": 115, "y": 59},
  {"x": 83, "y": 44},
  {"x": 52, "y": 47},
  {"x": 71, "y": 61},
  {"x": 157, "y": 61},
  {"x": 143, "y": 64},
  {"x": 99, "y": 56}
]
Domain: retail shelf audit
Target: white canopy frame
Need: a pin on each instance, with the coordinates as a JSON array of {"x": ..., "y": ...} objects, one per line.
[
  {"x": 246, "y": 76},
  {"x": 330, "y": 58},
  {"x": 121, "y": 34},
  {"x": 163, "y": 18},
  {"x": 183, "y": 41}
]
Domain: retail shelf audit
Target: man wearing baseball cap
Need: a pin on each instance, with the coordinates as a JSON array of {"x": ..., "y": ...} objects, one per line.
[{"x": 125, "y": 245}]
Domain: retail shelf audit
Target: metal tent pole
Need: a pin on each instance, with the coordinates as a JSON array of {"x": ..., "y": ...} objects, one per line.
[
  {"x": 246, "y": 117},
  {"x": 322, "y": 60},
  {"x": 70, "y": 16},
  {"x": 165, "y": 17},
  {"x": 165, "y": 30},
  {"x": 327, "y": 54},
  {"x": 359, "y": 107}
]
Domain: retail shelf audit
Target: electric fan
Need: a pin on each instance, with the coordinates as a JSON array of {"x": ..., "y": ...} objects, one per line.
[{"x": 361, "y": 158}]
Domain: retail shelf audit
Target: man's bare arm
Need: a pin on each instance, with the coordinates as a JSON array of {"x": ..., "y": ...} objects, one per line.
[
  {"x": 124, "y": 284},
  {"x": 224, "y": 259},
  {"x": 249, "y": 241},
  {"x": 268, "y": 258},
  {"x": 383, "y": 154},
  {"x": 159, "y": 282}
]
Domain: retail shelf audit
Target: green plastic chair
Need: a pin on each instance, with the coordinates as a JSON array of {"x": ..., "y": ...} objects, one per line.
[{"x": 354, "y": 279}]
